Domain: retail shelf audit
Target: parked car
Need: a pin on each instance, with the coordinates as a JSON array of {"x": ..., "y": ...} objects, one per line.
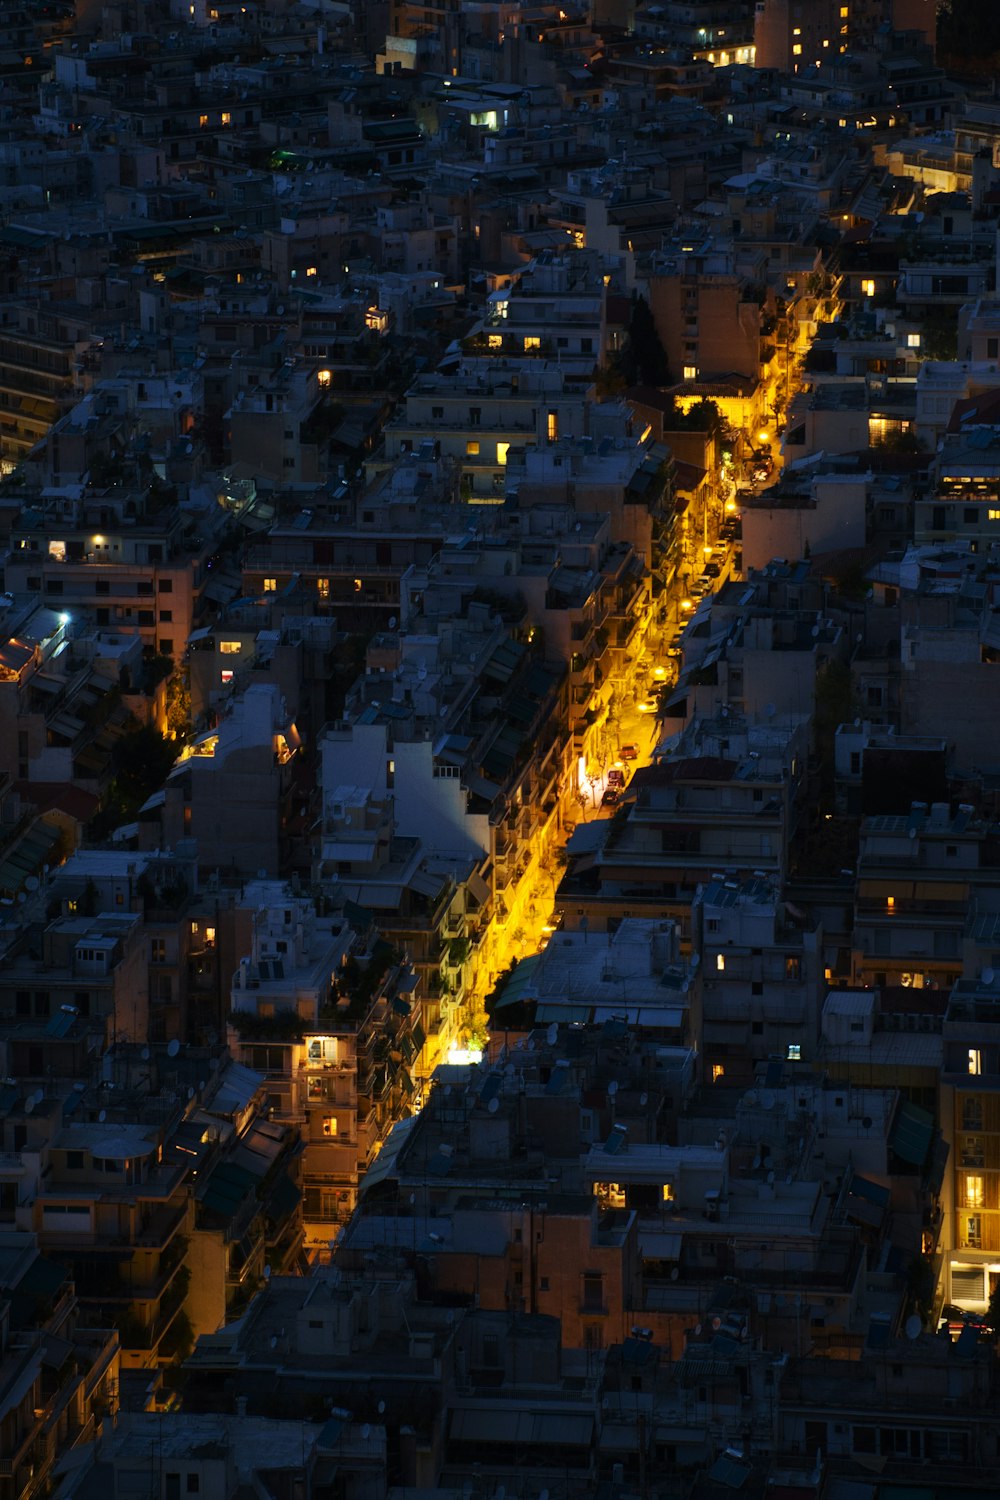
[
  {"x": 628, "y": 752},
  {"x": 610, "y": 797},
  {"x": 616, "y": 777},
  {"x": 648, "y": 706},
  {"x": 711, "y": 570}
]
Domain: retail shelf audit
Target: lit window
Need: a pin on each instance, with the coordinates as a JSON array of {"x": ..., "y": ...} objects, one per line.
[
  {"x": 472, "y": 448},
  {"x": 668, "y": 1192},
  {"x": 210, "y": 937},
  {"x": 227, "y": 676},
  {"x": 312, "y": 270},
  {"x": 230, "y": 648},
  {"x": 552, "y": 426},
  {"x": 57, "y": 551},
  {"x": 357, "y": 585},
  {"x": 797, "y": 31},
  {"x": 913, "y": 341},
  {"x": 324, "y": 377},
  {"x": 975, "y": 1061},
  {"x": 797, "y": 49},
  {"x": 323, "y": 588},
  {"x": 720, "y": 962},
  {"x": 794, "y": 1052},
  {"x": 973, "y": 1191},
  {"x": 495, "y": 340},
  {"x": 844, "y": 12},
  {"x": 890, "y": 902},
  {"x": 227, "y": 118},
  {"x": 690, "y": 372},
  {"x": 531, "y": 341},
  {"x": 994, "y": 515},
  {"x": 202, "y": 119},
  {"x": 718, "y": 1071},
  {"x": 330, "y": 1125},
  {"x": 502, "y": 452},
  {"x": 270, "y": 585},
  {"x": 868, "y": 287}
]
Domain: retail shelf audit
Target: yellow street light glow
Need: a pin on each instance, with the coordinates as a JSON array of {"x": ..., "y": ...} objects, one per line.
[{"x": 762, "y": 437}]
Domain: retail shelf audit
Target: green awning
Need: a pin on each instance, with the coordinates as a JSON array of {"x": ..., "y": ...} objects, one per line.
[
  {"x": 39, "y": 1285},
  {"x": 228, "y": 1188},
  {"x": 522, "y": 984},
  {"x": 912, "y": 1134}
]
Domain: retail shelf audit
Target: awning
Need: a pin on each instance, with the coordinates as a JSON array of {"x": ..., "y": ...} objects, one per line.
[
  {"x": 569, "y": 1014},
  {"x": 655, "y": 1245},
  {"x": 385, "y": 1164},
  {"x": 522, "y": 984},
  {"x": 912, "y": 1133}
]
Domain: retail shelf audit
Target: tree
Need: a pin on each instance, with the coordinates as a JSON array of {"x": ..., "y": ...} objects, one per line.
[{"x": 968, "y": 29}]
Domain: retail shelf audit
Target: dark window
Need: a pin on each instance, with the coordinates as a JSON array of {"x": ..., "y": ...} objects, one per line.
[
  {"x": 146, "y": 617},
  {"x": 166, "y": 586},
  {"x": 193, "y": 1484},
  {"x": 756, "y": 988},
  {"x": 102, "y": 586}
]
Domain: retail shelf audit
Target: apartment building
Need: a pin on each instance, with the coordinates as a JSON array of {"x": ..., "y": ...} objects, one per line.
[
  {"x": 480, "y": 409},
  {"x": 763, "y": 979}
]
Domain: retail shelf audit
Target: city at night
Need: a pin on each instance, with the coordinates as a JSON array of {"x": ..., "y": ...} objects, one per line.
[{"x": 499, "y": 749}]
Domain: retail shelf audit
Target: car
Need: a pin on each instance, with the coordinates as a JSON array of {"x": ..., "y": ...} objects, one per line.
[
  {"x": 711, "y": 570},
  {"x": 648, "y": 706},
  {"x": 628, "y": 752},
  {"x": 616, "y": 777},
  {"x": 675, "y": 651},
  {"x": 610, "y": 797},
  {"x": 955, "y": 1319}
]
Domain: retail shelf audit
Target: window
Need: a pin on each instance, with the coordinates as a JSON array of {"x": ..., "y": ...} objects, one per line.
[
  {"x": 913, "y": 341},
  {"x": 975, "y": 1060},
  {"x": 593, "y": 1291},
  {"x": 437, "y": 413},
  {"x": 552, "y": 426},
  {"x": 973, "y": 1232},
  {"x": 494, "y": 341},
  {"x": 794, "y": 1052},
  {"x": 193, "y": 1483},
  {"x": 720, "y": 962},
  {"x": 973, "y": 1191},
  {"x": 757, "y": 1028},
  {"x": 868, "y": 287},
  {"x": 797, "y": 49},
  {"x": 531, "y": 342},
  {"x": 475, "y": 416},
  {"x": 165, "y": 585},
  {"x": 270, "y": 585},
  {"x": 226, "y": 117},
  {"x": 230, "y": 648},
  {"x": 166, "y": 617},
  {"x": 472, "y": 448},
  {"x": 330, "y": 1125},
  {"x": 158, "y": 950},
  {"x": 166, "y": 645},
  {"x": 668, "y": 1192},
  {"x": 502, "y": 449},
  {"x": 718, "y": 1071},
  {"x": 690, "y": 372},
  {"x": 226, "y": 676}
]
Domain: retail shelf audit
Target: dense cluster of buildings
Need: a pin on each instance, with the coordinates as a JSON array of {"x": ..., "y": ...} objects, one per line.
[{"x": 499, "y": 839}]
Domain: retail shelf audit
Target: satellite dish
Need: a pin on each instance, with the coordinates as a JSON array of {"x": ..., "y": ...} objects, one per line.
[
  {"x": 102, "y": 1117},
  {"x": 716, "y": 1323},
  {"x": 913, "y": 1327},
  {"x": 366, "y": 1431},
  {"x": 145, "y": 1054},
  {"x": 675, "y": 1272},
  {"x": 767, "y": 1100},
  {"x": 612, "y": 1089},
  {"x": 29, "y": 1104},
  {"x": 987, "y": 976},
  {"x": 770, "y": 1178},
  {"x": 173, "y": 1048},
  {"x": 392, "y": 622},
  {"x": 190, "y": 1090},
  {"x": 866, "y": 1123},
  {"x": 381, "y": 1408},
  {"x": 697, "y": 1330},
  {"x": 552, "y": 1035},
  {"x": 32, "y": 883},
  {"x": 493, "y": 1106},
  {"x": 267, "y": 1273},
  {"x": 912, "y": 833},
  {"x": 274, "y": 1341},
  {"x": 213, "y": 1065},
  {"x": 643, "y": 1100}
]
